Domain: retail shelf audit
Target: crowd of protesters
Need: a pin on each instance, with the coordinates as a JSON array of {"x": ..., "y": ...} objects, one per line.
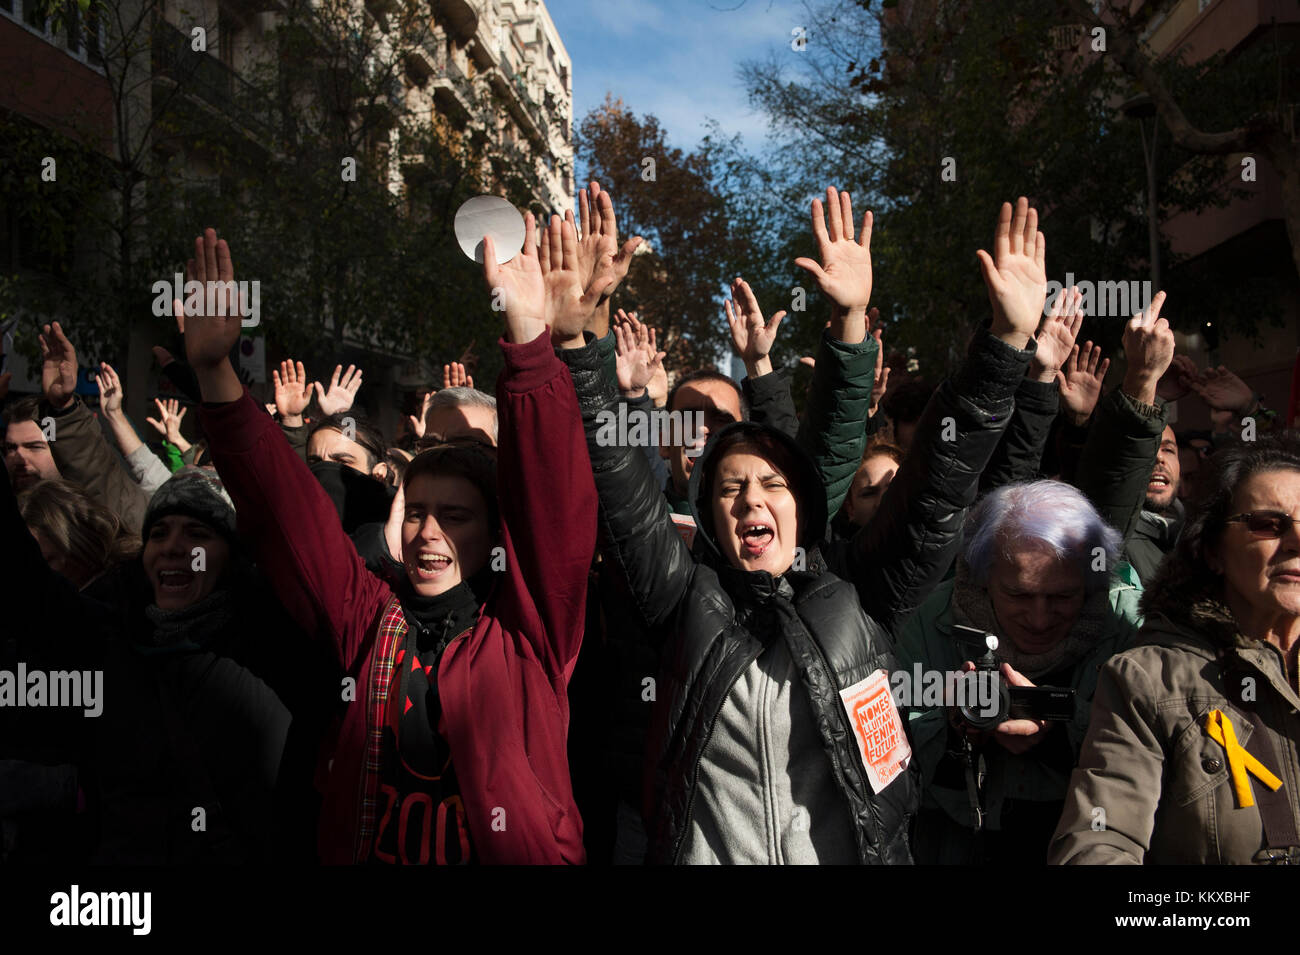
[{"x": 510, "y": 638}]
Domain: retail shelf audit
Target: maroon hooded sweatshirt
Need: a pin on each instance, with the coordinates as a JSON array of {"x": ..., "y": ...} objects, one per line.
[{"x": 503, "y": 683}]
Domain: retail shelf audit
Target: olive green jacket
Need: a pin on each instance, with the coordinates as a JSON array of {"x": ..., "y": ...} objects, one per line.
[
  {"x": 1151, "y": 785},
  {"x": 928, "y": 639}
]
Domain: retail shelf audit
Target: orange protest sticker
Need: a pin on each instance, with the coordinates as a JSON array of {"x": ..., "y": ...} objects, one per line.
[
  {"x": 686, "y": 527},
  {"x": 882, "y": 744}
]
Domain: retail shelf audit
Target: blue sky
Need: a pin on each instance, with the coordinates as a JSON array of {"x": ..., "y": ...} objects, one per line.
[{"x": 677, "y": 59}]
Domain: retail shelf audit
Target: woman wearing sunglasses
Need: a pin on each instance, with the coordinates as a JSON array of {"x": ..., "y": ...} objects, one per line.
[{"x": 1193, "y": 751}]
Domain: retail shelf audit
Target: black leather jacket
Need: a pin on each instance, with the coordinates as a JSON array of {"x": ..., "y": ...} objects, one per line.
[{"x": 714, "y": 620}]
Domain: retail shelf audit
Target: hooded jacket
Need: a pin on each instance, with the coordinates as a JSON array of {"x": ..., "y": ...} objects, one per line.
[{"x": 716, "y": 623}]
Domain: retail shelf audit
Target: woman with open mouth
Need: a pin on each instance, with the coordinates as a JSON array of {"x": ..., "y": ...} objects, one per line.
[
  {"x": 452, "y": 745},
  {"x": 775, "y": 739}
]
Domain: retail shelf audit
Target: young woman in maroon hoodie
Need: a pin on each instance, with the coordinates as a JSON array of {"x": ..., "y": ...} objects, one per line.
[{"x": 452, "y": 743}]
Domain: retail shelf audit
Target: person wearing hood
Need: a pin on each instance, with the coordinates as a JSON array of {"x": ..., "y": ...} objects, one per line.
[
  {"x": 774, "y": 739},
  {"x": 1193, "y": 753},
  {"x": 180, "y": 742},
  {"x": 452, "y": 744}
]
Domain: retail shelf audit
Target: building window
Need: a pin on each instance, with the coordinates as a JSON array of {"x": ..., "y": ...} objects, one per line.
[
  {"x": 73, "y": 26},
  {"x": 7, "y": 6},
  {"x": 34, "y": 14}
]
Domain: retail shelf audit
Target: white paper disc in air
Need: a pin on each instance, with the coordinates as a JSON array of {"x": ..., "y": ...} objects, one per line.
[{"x": 494, "y": 216}]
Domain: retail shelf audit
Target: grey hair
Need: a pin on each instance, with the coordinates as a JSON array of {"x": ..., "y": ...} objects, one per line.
[
  {"x": 1046, "y": 512},
  {"x": 455, "y": 397}
]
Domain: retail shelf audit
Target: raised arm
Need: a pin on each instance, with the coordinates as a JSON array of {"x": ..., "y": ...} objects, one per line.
[
  {"x": 79, "y": 447},
  {"x": 897, "y": 559},
  {"x": 143, "y": 465},
  {"x": 638, "y": 539},
  {"x": 1122, "y": 445},
  {"x": 283, "y": 513},
  {"x": 834, "y": 430},
  {"x": 548, "y": 501},
  {"x": 768, "y": 394},
  {"x": 1020, "y": 454}
]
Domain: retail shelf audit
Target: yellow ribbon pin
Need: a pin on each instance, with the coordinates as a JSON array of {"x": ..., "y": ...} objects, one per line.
[{"x": 1240, "y": 762}]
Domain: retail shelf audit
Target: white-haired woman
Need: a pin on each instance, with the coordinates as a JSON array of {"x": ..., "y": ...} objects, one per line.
[{"x": 1038, "y": 571}]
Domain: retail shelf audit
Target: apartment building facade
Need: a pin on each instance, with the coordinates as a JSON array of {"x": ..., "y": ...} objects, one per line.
[{"x": 493, "y": 68}]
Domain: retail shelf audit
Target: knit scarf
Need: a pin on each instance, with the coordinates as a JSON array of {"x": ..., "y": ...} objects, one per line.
[
  {"x": 972, "y": 607},
  {"x": 190, "y": 628}
]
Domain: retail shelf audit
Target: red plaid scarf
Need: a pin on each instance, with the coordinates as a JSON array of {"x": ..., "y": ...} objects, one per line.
[{"x": 392, "y": 630}]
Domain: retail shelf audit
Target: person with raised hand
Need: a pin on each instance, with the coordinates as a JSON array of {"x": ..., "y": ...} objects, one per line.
[
  {"x": 145, "y": 467},
  {"x": 1123, "y": 469},
  {"x": 454, "y": 749},
  {"x": 79, "y": 448},
  {"x": 759, "y": 637},
  {"x": 1020, "y": 455}
]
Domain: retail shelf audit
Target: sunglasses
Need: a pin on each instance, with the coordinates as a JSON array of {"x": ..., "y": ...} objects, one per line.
[{"x": 1264, "y": 525}]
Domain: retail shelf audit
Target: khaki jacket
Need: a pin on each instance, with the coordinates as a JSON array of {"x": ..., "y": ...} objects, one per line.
[{"x": 1151, "y": 785}]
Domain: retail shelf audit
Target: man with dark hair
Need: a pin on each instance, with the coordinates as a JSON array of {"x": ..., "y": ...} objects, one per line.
[
  {"x": 27, "y": 453},
  {"x": 348, "y": 457},
  {"x": 1158, "y": 526}
]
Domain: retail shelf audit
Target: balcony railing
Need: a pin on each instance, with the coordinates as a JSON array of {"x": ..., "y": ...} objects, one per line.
[{"x": 207, "y": 78}]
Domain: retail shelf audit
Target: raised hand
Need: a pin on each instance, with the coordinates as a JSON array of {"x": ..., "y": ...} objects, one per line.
[
  {"x": 1015, "y": 274},
  {"x": 1056, "y": 337},
  {"x": 342, "y": 391},
  {"x": 210, "y": 338},
  {"x": 1149, "y": 348},
  {"x": 168, "y": 422},
  {"x": 599, "y": 221},
  {"x": 292, "y": 392},
  {"x": 110, "y": 390},
  {"x": 638, "y": 359},
  {"x": 417, "y": 423},
  {"x": 1223, "y": 391},
  {"x": 58, "y": 367},
  {"x": 1178, "y": 380},
  {"x": 751, "y": 336},
  {"x": 844, "y": 274},
  {"x": 570, "y": 303},
  {"x": 454, "y": 376},
  {"x": 881, "y": 383},
  {"x": 1080, "y": 381},
  {"x": 520, "y": 284}
]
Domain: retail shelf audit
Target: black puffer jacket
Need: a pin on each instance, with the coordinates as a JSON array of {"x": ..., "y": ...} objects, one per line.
[{"x": 716, "y": 620}]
